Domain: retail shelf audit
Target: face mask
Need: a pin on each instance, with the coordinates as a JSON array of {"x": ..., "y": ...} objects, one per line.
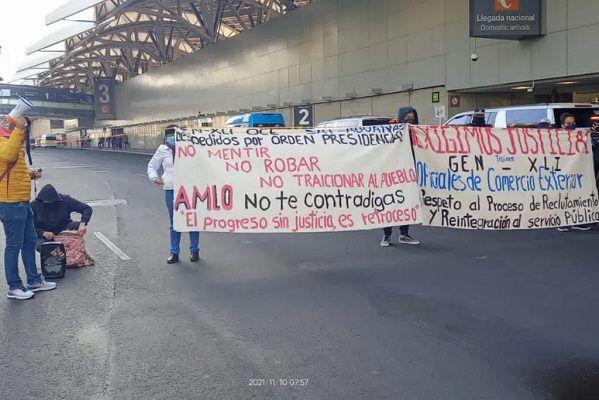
[
  {"x": 571, "y": 126},
  {"x": 170, "y": 140}
]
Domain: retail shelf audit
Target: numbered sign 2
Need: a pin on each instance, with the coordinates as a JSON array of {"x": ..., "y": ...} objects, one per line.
[
  {"x": 104, "y": 98},
  {"x": 303, "y": 115}
]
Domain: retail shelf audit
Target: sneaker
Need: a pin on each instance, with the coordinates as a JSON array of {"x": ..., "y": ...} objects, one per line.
[
  {"x": 582, "y": 227},
  {"x": 407, "y": 239},
  {"x": 42, "y": 286},
  {"x": 20, "y": 294},
  {"x": 386, "y": 242},
  {"x": 563, "y": 229}
]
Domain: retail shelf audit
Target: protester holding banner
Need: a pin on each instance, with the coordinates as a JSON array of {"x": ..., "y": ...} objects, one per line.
[
  {"x": 595, "y": 141},
  {"x": 165, "y": 158},
  {"x": 569, "y": 122},
  {"x": 16, "y": 214},
  {"x": 406, "y": 115},
  {"x": 479, "y": 118}
]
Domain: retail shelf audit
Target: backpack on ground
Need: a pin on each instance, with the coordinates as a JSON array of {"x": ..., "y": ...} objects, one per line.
[{"x": 53, "y": 259}]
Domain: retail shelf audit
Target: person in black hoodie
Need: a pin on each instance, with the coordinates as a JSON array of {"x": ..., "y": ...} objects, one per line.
[
  {"x": 52, "y": 214},
  {"x": 479, "y": 119},
  {"x": 406, "y": 115}
]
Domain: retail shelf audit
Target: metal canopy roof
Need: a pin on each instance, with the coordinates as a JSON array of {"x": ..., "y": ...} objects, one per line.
[
  {"x": 69, "y": 9},
  {"x": 63, "y": 33},
  {"x": 31, "y": 62},
  {"x": 130, "y": 37}
]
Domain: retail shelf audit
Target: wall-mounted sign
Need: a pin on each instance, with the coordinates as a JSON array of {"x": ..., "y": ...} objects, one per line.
[
  {"x": 454, "y": 100},
  {"x": 436, "y": 97},
  {"x": 440, "y": 112},
  {"x": 506, "y": 19},
  {"x": 104, "y": 98},
  {"x": 303, "y": 115}
]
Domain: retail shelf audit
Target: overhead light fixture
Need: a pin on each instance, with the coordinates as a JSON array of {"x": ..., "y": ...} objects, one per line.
[
  {"x": 568, "y": 83},
  {"x": 528, "y": 88}
]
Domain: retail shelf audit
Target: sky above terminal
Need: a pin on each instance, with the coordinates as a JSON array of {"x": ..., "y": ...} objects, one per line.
[{"x": 22, "y": 23}]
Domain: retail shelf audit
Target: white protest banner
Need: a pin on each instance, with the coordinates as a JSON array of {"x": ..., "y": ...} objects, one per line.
[
  {"x": 278, "y": 180},
  {"x": 514, "y": 178}
]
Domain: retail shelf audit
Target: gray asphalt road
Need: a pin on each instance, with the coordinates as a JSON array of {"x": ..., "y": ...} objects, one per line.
[{"x": 466, "y": 315}]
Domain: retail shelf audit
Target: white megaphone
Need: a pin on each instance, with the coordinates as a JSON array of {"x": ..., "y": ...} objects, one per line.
[{"x": 22, "y": 107}]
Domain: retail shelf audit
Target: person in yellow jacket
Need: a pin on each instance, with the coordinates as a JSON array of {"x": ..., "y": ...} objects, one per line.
[{"x": 16, "y": 215}]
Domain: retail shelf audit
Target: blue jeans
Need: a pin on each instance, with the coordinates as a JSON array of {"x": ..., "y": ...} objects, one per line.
[
  {"x": 194, "y": 237},
  {"x": 17, "y": 219}
]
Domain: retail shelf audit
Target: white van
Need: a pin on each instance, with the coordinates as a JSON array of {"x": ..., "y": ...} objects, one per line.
[
  {"x": 48, "y": 141},
  {"x": 531, "y": 115},
  {"x": 354, "y": 122}
]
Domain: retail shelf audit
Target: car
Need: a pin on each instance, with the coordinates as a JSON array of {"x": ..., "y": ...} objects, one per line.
[
  {"x": 258, "y": 120},
  {"x": 48, "y": 141},
  {"x": 354, "y": 122},
  {"x": 531, "y": 115}
]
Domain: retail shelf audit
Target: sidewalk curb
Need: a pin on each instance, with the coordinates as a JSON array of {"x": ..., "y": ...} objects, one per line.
[{"x": 106, "y": 150}]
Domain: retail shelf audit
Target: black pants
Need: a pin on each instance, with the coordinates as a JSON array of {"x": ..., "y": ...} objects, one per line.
[
  {"x": 73, "y": 226},
  {"x": 403, "y": 230}
]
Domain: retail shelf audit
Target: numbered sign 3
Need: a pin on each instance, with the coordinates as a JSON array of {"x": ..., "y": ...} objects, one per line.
[{"x": 104, "y": 98}]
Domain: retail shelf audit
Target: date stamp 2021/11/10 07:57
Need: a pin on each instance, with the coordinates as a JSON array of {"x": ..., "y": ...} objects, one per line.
[{"x": 283, "y": 382}]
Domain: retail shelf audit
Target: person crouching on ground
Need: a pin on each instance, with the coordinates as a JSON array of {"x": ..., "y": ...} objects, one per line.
[
  {"x": 165, "y": 158},
  {"x": 17, "y": 216},
  {"x": 52, "y": 214},
  {"x": 406, "y": 115}
]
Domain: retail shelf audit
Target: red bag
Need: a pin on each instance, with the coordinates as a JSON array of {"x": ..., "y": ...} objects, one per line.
[{"x": 74, "y": 245}]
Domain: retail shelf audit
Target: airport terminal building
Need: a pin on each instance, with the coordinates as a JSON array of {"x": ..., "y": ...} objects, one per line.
[{"x": 340, "y": 58}]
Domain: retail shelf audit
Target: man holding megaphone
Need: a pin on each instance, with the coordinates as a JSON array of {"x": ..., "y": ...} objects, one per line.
[{"x": 15, "y": 211}]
